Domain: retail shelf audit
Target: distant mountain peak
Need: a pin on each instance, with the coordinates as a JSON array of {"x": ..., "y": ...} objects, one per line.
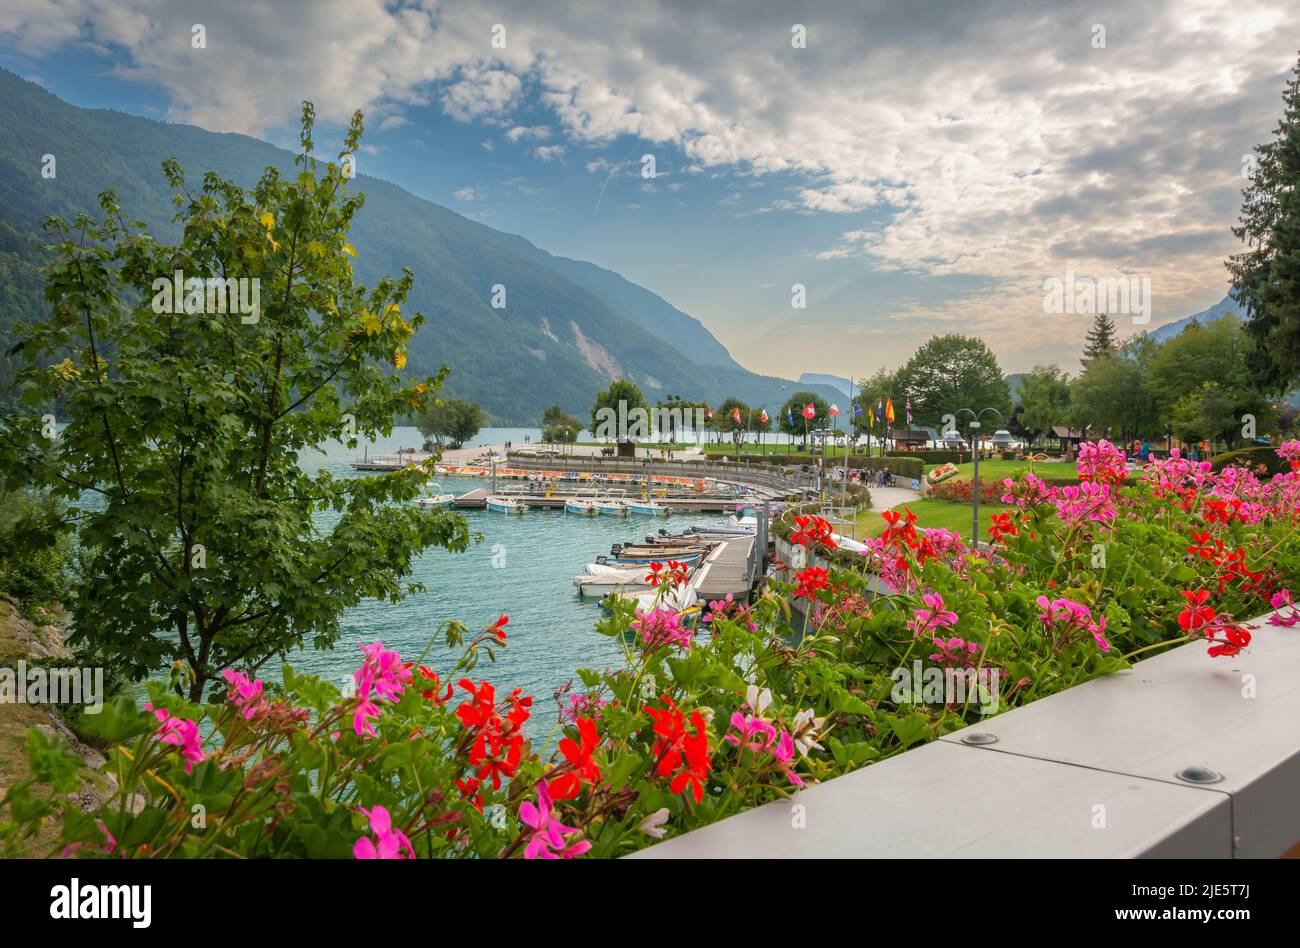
[{"x": 1225, "y": 307}]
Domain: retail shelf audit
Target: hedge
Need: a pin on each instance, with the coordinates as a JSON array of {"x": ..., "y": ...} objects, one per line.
[
  {"x": 1251, "y": 457},
  {"x": 933, "y": 458}
]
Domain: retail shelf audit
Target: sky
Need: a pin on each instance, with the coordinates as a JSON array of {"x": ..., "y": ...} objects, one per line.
[{"x": 918, "y": 168}]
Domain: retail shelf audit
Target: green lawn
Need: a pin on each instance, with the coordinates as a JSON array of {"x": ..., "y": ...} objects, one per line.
[
  {"x": 999, "y": 469},
  {"x": 931, "y": 513}
]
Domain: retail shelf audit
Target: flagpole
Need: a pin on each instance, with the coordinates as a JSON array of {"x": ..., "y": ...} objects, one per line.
[{"x": 844, "y": 494}]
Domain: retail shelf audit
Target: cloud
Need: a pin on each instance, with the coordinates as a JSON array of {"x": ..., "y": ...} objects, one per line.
[
  {"x": 981, "y": 144},
  {"x": 465, "y": 194}
]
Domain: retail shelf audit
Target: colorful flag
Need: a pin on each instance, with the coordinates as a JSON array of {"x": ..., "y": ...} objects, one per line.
[
  {"x": 763, "y": 415},
  {"x": 880, "y": 408},
  {"x": 708, "y": 412},
  {"x": 889, "y": 410},
  {"x": 909, "y": 411},
  {"x": 871, "y": 416},
  {"x": 810, "y": 411},
  {"x": 789, "y": 415},
  {"x": 857, "y": 409},
  {"x": 735, "y": 414},
  {"x": 835, "y": 410}
]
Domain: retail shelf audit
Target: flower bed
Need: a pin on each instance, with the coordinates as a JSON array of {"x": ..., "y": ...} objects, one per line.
[{"x": 707, "y": 716}]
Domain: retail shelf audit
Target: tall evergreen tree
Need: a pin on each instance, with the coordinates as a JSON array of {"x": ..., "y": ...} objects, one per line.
[
  {"x": 1266, "y": 276},
  {"x": 1100, "y": 340}
]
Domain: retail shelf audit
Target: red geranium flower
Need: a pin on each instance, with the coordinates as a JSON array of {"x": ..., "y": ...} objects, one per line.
[
  {"x": 578, "y": 754},
  {"x": 683, "y": 755}
]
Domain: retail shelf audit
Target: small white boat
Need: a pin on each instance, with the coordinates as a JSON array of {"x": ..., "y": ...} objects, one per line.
[
  {"x": 598, "y": 587},
  {"x": 437, "y": 500},
  {"x": 615, "y": 569},
  {"x": 611, "y": 506},
  {"x": 648, "y": 507},
  {"x": 577, "y": 505},
  {"x": 732, "y": 526},
  {"x": 679, "y": 598},
  {"x": 505, "y": 505}
]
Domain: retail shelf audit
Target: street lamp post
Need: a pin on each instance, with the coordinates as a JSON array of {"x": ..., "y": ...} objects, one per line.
[{"x": 975, "y": 473}]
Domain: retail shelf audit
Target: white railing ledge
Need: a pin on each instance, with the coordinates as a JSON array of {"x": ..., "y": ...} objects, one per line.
[{"x": 1090, "y": 772}]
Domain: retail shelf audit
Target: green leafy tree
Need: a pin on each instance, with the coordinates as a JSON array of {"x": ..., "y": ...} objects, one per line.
[
  {"x": 1111, "y": 397},
  {"x": 451, "y": 422},
  {"x": 949, "y": 373},
  {"x": 793, "y": 409},
  {"x": 608, "y": 401},
  {"x": 1266, "y": 276},
  {"x": 185, "y": 418},
  {"x": 559, "y": 425},
  {"x": 1219, "y": 352},
  {"x": 1044, "y": 399},
  {"x": 877, "y": 389},
  {"x": 1100, "y": 340}
]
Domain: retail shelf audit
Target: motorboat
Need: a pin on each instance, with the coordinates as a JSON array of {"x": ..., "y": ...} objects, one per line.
[
  {"x": 732, "y": 526},
  {"x": 577, "y": 505},
  {"x": 505, "y": 505},
  {"x": 612, "y": 506},
  {"x": 647, "y": 507},
  {"x": 437, "y": 500},
  {"x": 598, "y": 587}
]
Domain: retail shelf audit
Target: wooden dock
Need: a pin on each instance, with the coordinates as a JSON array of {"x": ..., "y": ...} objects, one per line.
[
  {"x": 477, "y": 500},
  {"x": 731, "y": 568}
]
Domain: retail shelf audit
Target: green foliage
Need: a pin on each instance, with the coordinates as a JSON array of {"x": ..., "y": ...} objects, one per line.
[
  {"x": 1111, "y": 398},
  {"x": 184, "y": 423},
  {"x": 931, "y": 458},
  {"x": 33, "y": 550},
  {"x": 790, "y": 418},
  {"x": 1266, "y": 275},
  {"x": 1100, "y": 340},
  {"x": 614, "y": 407},
  {"x": 1259, "y": 458},
  {"x": 949, "y": 373},
  {"x": 450, "y": 421},
  {"x": 1044, "y": 399},
  {"x": 559, "y": 425}
]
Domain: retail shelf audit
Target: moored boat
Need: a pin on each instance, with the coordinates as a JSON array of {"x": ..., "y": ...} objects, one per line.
[
  {"x": 611, "y": 506},
  {"x": 437, "y": 500},
  {"x": 647, "y": 507},
  {"x": 576, "y": 505},
  {"x": 505, "y": 505}
]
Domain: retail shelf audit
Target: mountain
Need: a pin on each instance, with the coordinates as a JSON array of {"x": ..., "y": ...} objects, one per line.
[
  {"x": 1225, "y": 306},
  {"x": 568, "y": 328},
  {"x": 842, "y": 385}
]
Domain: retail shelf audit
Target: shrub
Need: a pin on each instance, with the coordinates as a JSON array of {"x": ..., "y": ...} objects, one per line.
[
  {"x": 932, "y": 457},
  {"x": 1250, "y": 458}
]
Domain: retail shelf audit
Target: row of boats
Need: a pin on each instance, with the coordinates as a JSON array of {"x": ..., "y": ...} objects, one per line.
[{"x": 626, "y": 570}]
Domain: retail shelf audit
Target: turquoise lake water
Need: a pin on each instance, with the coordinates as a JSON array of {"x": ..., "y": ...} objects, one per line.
[{"x": 551, "y": 630}]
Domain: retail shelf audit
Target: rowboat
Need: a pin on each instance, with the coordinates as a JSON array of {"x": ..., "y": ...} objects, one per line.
[
  {"x": 611, "y": 506},
  {"x": 577, "y": 505},
  {"x": 505, "y": 505},
  {"x": 647, "y": 507},
  {"x": 437, "y": 500},
  {"x": 598, "y": 587},
  {"x": 640, "y": 558}
]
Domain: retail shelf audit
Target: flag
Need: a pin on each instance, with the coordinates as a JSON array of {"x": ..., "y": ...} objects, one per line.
[
  {"x": 789, "y": 415},
  {"x": 880, "y": 408},
  {"x": 835, "y": 410},
  {"x": 735, "y": 414},
  {"x": 889, "y": 410},
  {"x": 708, "y": 412},
  {"x": 871, "y": 416},
  {"x": 810, "y": 411},
  {"x": 909, "y": 412},
  {"x": 857, "y": 409},
  {"x": 763, "y": 415}
]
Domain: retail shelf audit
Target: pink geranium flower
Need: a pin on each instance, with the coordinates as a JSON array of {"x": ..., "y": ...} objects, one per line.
[
  {"x": 245, "y": 693},
  {"x": 937, "y": 616},
  {"x": 547, "y": 838},
  {"x": 388, "y": 842},
  {"x": 382, "y": 673},
  {"x": 179, "y": 733}
]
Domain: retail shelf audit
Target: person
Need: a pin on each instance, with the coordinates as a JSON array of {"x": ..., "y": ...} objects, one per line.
[
  {"x": 1145, "y": 452},
  {"x": 1195, "y": 456}
]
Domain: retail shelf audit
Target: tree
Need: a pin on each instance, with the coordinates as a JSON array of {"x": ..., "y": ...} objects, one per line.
[
  {"x": 1266, "y": 276},
  {"x": 1220, "y": 352},
  {"x": 872, "y": 391},
  {"x": 790, "y": 418},
  {"x": 1100, "y": 340},
  {"x": 559, "y": 425},
  {"x": 451, "y": 422},
  {"x": 1111, "y": 397},
  {"x": 1044, "y": 399},
  {"x": 949, "y": 373},
  {"x": 620, "y": 412},
  {"x": 185, "y": 418}
]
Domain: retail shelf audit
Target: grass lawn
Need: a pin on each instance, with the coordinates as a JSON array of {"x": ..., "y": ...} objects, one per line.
[
  {"x": 931, "y": 513},
  {"x": 999, "y": 469}
]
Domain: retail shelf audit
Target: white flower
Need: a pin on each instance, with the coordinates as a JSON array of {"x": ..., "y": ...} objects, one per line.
[
  {"x": 806, "y": 730},
  {"x": 653, "y": 825},
  {"x": 758, "y": 700}
]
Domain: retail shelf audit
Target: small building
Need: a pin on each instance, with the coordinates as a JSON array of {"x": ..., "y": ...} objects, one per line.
[
  {"x": 627, "y": 449},
  {"x": 1070, "y": 438},
  {"x": 909, "y": 439}
]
